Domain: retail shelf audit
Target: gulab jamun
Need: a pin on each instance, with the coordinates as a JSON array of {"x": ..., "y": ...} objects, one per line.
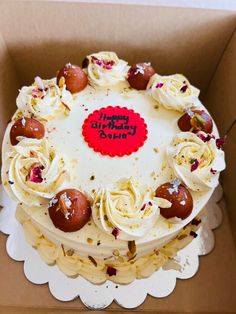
[
  {"x": 69, "y": 210},
  {"x": 179, "y": 196},
  {"x": 197, "y": 120},
  {"x": 74, "y": 78},
  {"x": 139, "y": 75},
  {"x": 26, "y": 127}
]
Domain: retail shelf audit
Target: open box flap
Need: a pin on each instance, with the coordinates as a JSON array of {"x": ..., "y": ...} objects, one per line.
[{"x": 220, "y": 100}]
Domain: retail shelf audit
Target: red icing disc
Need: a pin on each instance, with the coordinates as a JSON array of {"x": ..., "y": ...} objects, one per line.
[{"x": 115, "y": 131}]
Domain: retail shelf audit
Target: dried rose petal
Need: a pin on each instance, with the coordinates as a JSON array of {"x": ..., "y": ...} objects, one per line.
[
  {"x": 115, "y": 232},
  {"x": 213, "y": 171},
  {"x": 108, "y": 67},
  {"x": 205, "y": 138},
  {"x": 220, "y": 142},
  {"x": 35, "y": 174},
  {"x": 194, "y": 165},
  {"x": 159, "y": 85},
  {"x": 111, "y": 62},
  {"x": 195, "y": 222},
  {"x": 111, "y": 271},
  {"x": 193, "y": 234},
  {"x": 143, "y": 207},
  {"x": 183, "y": 88},
  {"x": 105, "y": 64}
]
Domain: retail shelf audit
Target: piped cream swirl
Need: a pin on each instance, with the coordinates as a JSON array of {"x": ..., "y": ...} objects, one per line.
[
  {"x": 127, "y": 211},
  {"x": 173, "y": 91},
  {"x": 43, "y": 99},
  {"x": 195, "y": 162},
  {"x": 106, "y": 69},
  {"x": 35, "y": 171}
]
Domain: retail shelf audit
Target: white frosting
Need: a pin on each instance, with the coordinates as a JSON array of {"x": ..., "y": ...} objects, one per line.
[
  {"x": 95, "y": 270},
  {"x": 130, "y": 208},
  {"x": 173, "y": 91},
  {"x": 44, "y": 99},
  {"x": 182, "y": 154},
  {"x": 26, "y": 155},
  {"x": 106, "y": 69}
]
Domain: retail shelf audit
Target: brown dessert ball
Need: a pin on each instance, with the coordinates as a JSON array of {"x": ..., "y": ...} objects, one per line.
[
  {"x": 69, "y": 210},
  {"x": 200, "y": 121},
  {"x": 139, "y": 75},
  {"x": 75, "y": 78},
  {"x": 179, "y": 196},
  {"x": 26, "y": 127}
]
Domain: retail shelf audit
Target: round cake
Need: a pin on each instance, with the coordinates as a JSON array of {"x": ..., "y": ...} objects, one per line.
[{"x": 111, "y": 166}]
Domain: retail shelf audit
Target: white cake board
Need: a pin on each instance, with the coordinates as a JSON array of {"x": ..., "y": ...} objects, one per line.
[{"x": 63, "y": 288}]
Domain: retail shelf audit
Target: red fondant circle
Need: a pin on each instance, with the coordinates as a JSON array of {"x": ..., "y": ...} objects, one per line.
[{"x": 115, "y": 131}]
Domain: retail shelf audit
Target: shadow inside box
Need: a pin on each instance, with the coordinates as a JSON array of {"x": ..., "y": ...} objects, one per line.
[{"x": 191, "y": 48}]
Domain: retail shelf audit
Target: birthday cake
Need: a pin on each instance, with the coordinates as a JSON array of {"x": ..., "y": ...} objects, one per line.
[{"x": 111, "y": 166}]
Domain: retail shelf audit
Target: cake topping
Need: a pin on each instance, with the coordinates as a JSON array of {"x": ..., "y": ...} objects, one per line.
[
  {"x": 195, "y": 164},
  {"x": 44, "y": 99},
  {"x": 123, "y": 206},
  {"x": 139, "y": 75},
  {"x": 220, "y": 142},
  {"x": 111, "y": 271},
  {"x": 173, "y": 92},
  {"x": 115, "y": 131},
  {"x": 26, "y": 127},
  {"x": 193, "y": 158},
  {"x": 195, "y": 120},
  {"x": 180, "y": 198},
  {"x": 71, "y": 211},
  {"x": 75, "y": 78},
  {"x": 37, "y": 171},
  {"x": 106, "y": 69}
]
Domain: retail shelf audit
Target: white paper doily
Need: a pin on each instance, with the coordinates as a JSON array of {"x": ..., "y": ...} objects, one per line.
[{"x": 63, "y": 288}]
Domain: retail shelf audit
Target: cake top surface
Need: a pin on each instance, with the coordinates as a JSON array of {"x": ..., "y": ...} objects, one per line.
[{"x": 116, "y": 145}]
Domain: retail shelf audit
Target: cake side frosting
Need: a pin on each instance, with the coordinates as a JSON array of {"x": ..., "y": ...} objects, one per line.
[{"x": 114, "y": 268}]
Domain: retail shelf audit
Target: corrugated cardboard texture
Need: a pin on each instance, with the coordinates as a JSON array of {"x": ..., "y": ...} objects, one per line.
[
  {"x": 220, "y": 99},
  {"x": 39, "y": 37}
]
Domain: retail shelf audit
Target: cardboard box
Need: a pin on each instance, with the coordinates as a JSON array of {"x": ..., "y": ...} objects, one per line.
[{"x": 37, "y": 38}]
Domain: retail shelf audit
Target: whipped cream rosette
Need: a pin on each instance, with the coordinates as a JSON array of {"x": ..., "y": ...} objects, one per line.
[
  {"x": 34, "y": 171},
  {"x": 173, "y": 91},
  {"x": 43, "y": 99},
  {"x": 127, "y": 211},
  {"x": 196, "y": 161},
  {"x": 106, "y": 69}
]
